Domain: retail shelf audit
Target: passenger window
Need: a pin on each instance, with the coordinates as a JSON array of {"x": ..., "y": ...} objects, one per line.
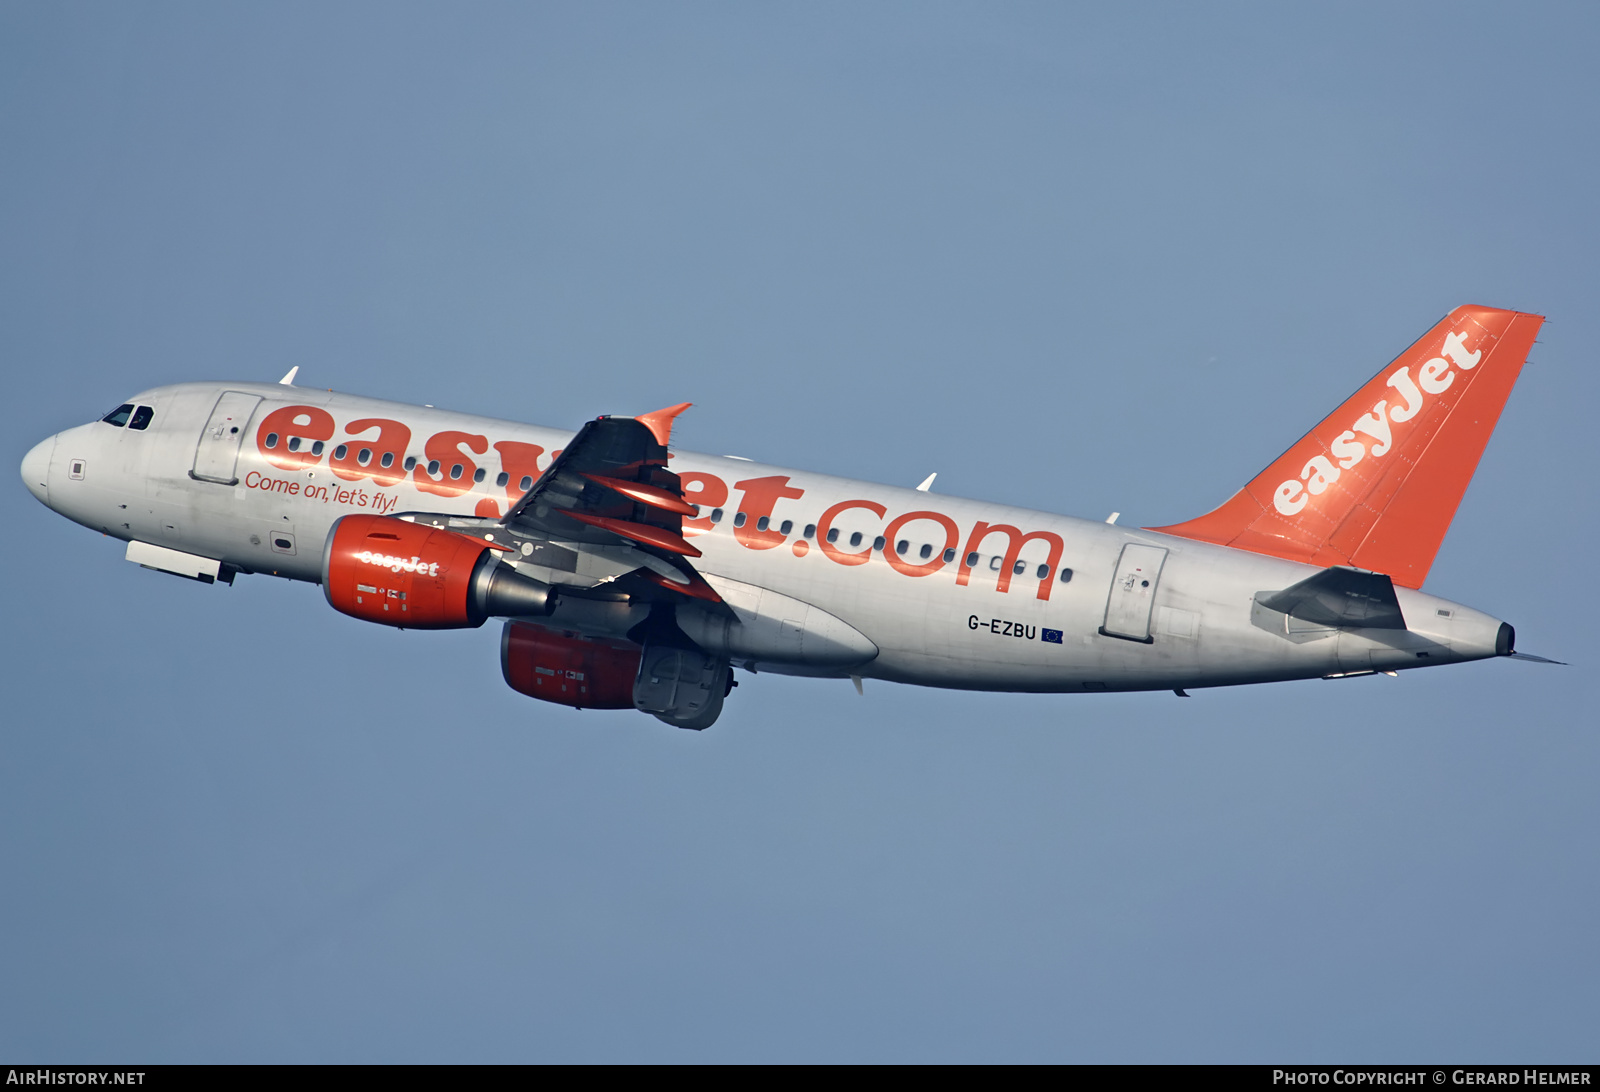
[
  {"x": 480, "y": 474},
  {"x": 949, "y": 555},
  {"x": 1066, "y": 576},
  {"x": 877, "y": 543},
  {"x": 456, "y": 471},
  {"x": 738, "y": 519},
  {"x": 503, "y": 478},
  {"x": 855, "y": 539},
  {"x": 340, "y": 452},
  {"x": 410, "y": 464},
  {"x": 972, "y": 559},
  {"x": 810, "y": 531},
  {"x": 433, "y": 468},
  {"x": 716, "y": 515},
  {"x": 1044, "y": 572},
  {"x": 294, "y": 443},
  {"x": 364, "y": 456},
  {"x": 994, "y": 563},
  {"x": 120, "y": 415},
  {"x": 927, "y": 552},
  {"x": 272, "y": 439},
  {"x": 526, "y": 483},
  {"x": 387, "y": 460},
  {"x": 316, "y": 448},
  {"x": 786, "y": 526},
  {"x": 833, "y": 534},
  {"x": 761, "y": 524},
  {"x": 902, "y": 546},
  {"x": 1020, "y": 567},
  {"x": 141, "y": 417}
]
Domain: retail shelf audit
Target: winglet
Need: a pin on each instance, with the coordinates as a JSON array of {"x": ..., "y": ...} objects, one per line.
[
  {"x": 288, "y": 378},
  {"x": 660, "y": 422}
]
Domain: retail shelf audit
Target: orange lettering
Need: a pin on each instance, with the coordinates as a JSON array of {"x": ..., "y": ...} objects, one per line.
[
  {"x": 825, "y": 524},
  {"x": 393, "y": 439},
  {"x": 1015, "y": 541},
  {"x": 291, "y": 437},
  {"x": 706, "y": 490},
  {"x": 760, "y": 495},
  {"x": 519, "y": 461},
  {"x": 927, "y": 568},
  {"x": 455, "y": 469}
]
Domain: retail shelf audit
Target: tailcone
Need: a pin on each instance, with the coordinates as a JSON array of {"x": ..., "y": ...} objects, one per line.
[
  {"x": 1474, "y": 635},
  {"x": 1505, "y": 641}
]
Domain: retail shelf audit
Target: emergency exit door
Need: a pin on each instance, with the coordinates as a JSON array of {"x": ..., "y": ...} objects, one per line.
[
  {"x": 217, "y": 456},
  {"x": 1133, "y": 592}
]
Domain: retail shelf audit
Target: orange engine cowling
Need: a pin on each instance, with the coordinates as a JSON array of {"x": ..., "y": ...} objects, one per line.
[
  {"x": 398, "y": 573},
  {"x": 568, "y": 670}
]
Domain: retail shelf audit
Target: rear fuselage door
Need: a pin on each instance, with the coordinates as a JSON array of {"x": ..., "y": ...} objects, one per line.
[
  {"x": 1133, "y": 592},
  {"x": 218, "y": 452}
]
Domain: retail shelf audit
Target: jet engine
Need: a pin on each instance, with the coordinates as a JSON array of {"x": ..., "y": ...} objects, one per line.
[
  {"x": 568, "y": 669},
  {"x": 413, "y": 576},
  {"x": 683, "y": 687}
]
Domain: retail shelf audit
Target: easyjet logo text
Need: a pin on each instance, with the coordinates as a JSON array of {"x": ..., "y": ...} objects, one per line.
[
  {"x": 1372, "y": 434},
  {"x": 398, "y": 564},
  {"x": 467, "y": 466}
]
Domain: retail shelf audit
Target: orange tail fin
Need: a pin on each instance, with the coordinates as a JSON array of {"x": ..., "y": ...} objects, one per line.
[{"x": 1377, "y": 483}]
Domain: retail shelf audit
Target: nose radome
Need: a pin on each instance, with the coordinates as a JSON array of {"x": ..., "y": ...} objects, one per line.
[{"x": 36, "y": 469}]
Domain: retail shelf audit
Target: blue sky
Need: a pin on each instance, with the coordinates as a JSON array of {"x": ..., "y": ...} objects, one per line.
[{"x": 1080, "y": 258}]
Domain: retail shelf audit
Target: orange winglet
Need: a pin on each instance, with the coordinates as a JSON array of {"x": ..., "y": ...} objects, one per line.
[
  {"x": 651, "y": 495},
  {"x": 1377, "y": 483},
  {"x": 660, "y": 422},
  {"x": 697, "y": 588},
  {"x": 639, "y": 532}
]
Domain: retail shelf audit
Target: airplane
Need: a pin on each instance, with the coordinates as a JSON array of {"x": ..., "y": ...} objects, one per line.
[{"x": 629, "y": 575}]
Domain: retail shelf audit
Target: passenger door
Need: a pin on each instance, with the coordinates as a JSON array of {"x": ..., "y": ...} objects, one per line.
[
  {"x": 1133, "y": 592},
  {"x": 217, "y": 455}
]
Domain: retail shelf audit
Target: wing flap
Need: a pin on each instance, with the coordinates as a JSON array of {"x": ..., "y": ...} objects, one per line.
[{"x": 604, "y": 519}]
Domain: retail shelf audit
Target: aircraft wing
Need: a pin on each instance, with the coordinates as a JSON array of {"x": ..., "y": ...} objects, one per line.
[{"x": 607, "y": 512}]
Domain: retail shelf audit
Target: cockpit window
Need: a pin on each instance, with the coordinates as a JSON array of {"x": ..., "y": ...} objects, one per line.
[
  {"x": 120, "y": 415},
  {"x": 141, "y": 417}
]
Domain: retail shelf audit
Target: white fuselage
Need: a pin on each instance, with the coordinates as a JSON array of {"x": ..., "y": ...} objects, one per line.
[{"x": 1007, "y": 621}]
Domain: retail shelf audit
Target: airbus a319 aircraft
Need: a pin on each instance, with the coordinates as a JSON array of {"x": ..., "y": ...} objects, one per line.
[{"x": 632, "y": 576}]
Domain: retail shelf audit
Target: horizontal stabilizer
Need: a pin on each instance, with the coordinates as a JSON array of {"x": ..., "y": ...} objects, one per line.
[{"x": 1340, "y": 597}]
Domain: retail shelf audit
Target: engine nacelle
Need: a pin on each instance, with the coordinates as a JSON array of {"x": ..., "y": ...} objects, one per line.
[
  {"x": 410, "y": 575},
  {"x": 568, "y": 670},
  {"x": 682, "y": 686}
]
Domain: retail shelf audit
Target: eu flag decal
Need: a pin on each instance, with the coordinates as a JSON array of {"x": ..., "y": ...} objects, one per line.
[{"x": 1050, "y": 636}]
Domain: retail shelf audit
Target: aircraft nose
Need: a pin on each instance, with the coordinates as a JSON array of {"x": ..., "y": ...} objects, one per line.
[{"x": 36, "y": 469}]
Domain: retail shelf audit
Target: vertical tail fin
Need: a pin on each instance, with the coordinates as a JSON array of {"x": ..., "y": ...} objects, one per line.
[{"x": 1376, "y": 484}]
